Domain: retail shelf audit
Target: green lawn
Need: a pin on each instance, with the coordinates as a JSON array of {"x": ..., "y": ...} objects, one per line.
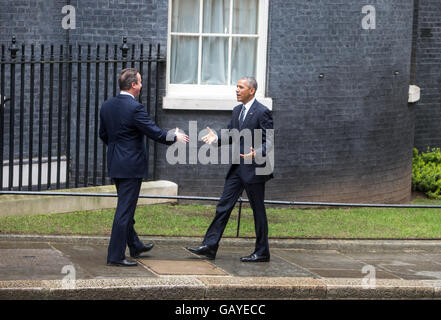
[{"x": 193, "y": 220}]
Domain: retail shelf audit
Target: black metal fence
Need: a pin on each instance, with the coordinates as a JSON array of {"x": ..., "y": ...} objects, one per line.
[{"x": 49, "y": 110}]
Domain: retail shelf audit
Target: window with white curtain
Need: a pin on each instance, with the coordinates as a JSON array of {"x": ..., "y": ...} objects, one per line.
[{"x": 211, "y": 45}]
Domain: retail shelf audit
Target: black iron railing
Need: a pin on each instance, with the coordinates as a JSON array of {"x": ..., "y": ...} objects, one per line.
[{"x": 49, "y": 107}]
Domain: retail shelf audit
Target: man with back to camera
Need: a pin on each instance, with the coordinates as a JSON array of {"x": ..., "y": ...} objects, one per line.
[
  {"x": 249, "y": 115},
  {"x": 124, "y": 122}
]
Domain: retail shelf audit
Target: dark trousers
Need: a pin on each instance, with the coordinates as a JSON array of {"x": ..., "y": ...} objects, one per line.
[
  {"x": 233, "y": 188},
  {"x": 123, "y": 232}
]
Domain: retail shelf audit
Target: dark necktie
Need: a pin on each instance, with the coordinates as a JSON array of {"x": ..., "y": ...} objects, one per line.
[{"x": 242, "y": 116}]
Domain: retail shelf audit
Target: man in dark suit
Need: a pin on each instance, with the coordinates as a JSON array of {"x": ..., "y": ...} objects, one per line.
[
  {"x": 124, "y": 123},
  {"x": 253, "y": 117}
]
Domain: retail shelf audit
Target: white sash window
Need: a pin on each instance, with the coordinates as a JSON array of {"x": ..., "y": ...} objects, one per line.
[{"x": 211, "y": 45}]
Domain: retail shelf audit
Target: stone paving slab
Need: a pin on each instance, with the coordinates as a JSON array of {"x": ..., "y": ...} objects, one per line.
[
  {"x": 167, "y": 267},
  {"x": 19, "y": 264},
  {"x": 329, "y": 263},
  {"x": 229, "y": 260},
  {"x": 90, "y": 262},
  {"x": 405, "y": 265},
  {"x": 326, "y": 259},
  {"x": 24, "y": 245},
  {"x": 167, "y": 252}
]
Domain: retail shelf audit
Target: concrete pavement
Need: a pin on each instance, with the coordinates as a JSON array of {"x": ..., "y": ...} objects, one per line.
[{"x": 59, "y": 267}]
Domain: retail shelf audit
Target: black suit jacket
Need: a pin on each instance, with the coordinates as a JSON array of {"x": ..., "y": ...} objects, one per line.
[
  {"x": 258, "y": 117},
  {"x": 123, "y": 124}
]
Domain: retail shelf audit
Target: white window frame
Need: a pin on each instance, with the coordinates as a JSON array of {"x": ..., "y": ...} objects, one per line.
[{"x": 217, "y": 97}]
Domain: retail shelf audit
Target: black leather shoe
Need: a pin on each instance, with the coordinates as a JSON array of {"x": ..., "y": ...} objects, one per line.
[
  {"x": 255, "y": 258},
  {"x": 122, "y": 263},
  {"x": 146, "y": 248},
  {"x": 206, "y": 251}
]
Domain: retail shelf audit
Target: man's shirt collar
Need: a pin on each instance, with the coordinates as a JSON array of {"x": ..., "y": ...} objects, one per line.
[
  {"x": 247, "y": 107},
  {"x": 249, "y": 104},
  {"x": 126, "y": 93}
]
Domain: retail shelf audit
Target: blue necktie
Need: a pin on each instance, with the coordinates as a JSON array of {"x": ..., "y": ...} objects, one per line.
[{"x": 242, "y": 116}]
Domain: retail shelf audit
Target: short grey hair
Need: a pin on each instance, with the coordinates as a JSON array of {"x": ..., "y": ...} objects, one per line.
[
  {"x": 127, "y": 77},
  {"x": 251, "y": 82}
]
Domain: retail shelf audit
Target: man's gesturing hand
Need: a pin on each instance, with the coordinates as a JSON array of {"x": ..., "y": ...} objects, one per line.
[
  {"x": 181, "y": 137},
  {"x": 210, "y": 137},
  {"x": 251, "y": 155}
]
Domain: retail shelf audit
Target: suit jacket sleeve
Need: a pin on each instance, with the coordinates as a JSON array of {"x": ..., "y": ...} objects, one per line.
[
  {"x": 150, "y": 129},
  {"x": 102, "y": 131},
  {"x": 265, "y": 123}
]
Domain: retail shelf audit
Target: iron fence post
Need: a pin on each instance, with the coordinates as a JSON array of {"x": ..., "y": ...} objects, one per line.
[
  {"x": 125, "y": 49},
  {"x": 238, "y": 218},
  {"x": 13, "y": 50}
]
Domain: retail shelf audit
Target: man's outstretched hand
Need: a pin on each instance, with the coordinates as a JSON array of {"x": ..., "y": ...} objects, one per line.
[
  {"x": 181, "y": 137},
  {"x": 210, "y": 137}
]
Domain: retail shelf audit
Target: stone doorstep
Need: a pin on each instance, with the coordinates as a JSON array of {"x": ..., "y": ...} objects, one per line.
[
  {"x": 15, "y": 205},
  {"x": 220, "y": 287}
]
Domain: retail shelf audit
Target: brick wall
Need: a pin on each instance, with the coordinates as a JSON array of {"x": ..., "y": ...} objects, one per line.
[
  {"x": 345, "y": 137},
  {"x": 349, "y": 135},
  {"x": 427, "y": 66},
  {"x": 32, "y": 21}
]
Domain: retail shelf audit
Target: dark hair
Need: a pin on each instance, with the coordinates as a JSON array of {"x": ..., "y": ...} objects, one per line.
[
  {"x": 251, "y": 81},
  {"x": 127, "y": 77}
]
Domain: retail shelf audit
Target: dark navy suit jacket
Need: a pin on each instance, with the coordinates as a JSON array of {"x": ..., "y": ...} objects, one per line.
[
  {"x": 258, "y": 117},
  {"x": 123, "y": 124}
]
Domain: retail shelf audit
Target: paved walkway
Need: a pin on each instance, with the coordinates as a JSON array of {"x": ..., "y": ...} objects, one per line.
[{"x": 51, "y": 267}]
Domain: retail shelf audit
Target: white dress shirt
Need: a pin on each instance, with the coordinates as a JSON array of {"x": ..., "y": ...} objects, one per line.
[
  {"x": 247, "y": 108},
  {"x": 126, "y": 93}
]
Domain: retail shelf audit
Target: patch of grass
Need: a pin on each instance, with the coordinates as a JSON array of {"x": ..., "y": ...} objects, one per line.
[{"x": 193, "y": 220}]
